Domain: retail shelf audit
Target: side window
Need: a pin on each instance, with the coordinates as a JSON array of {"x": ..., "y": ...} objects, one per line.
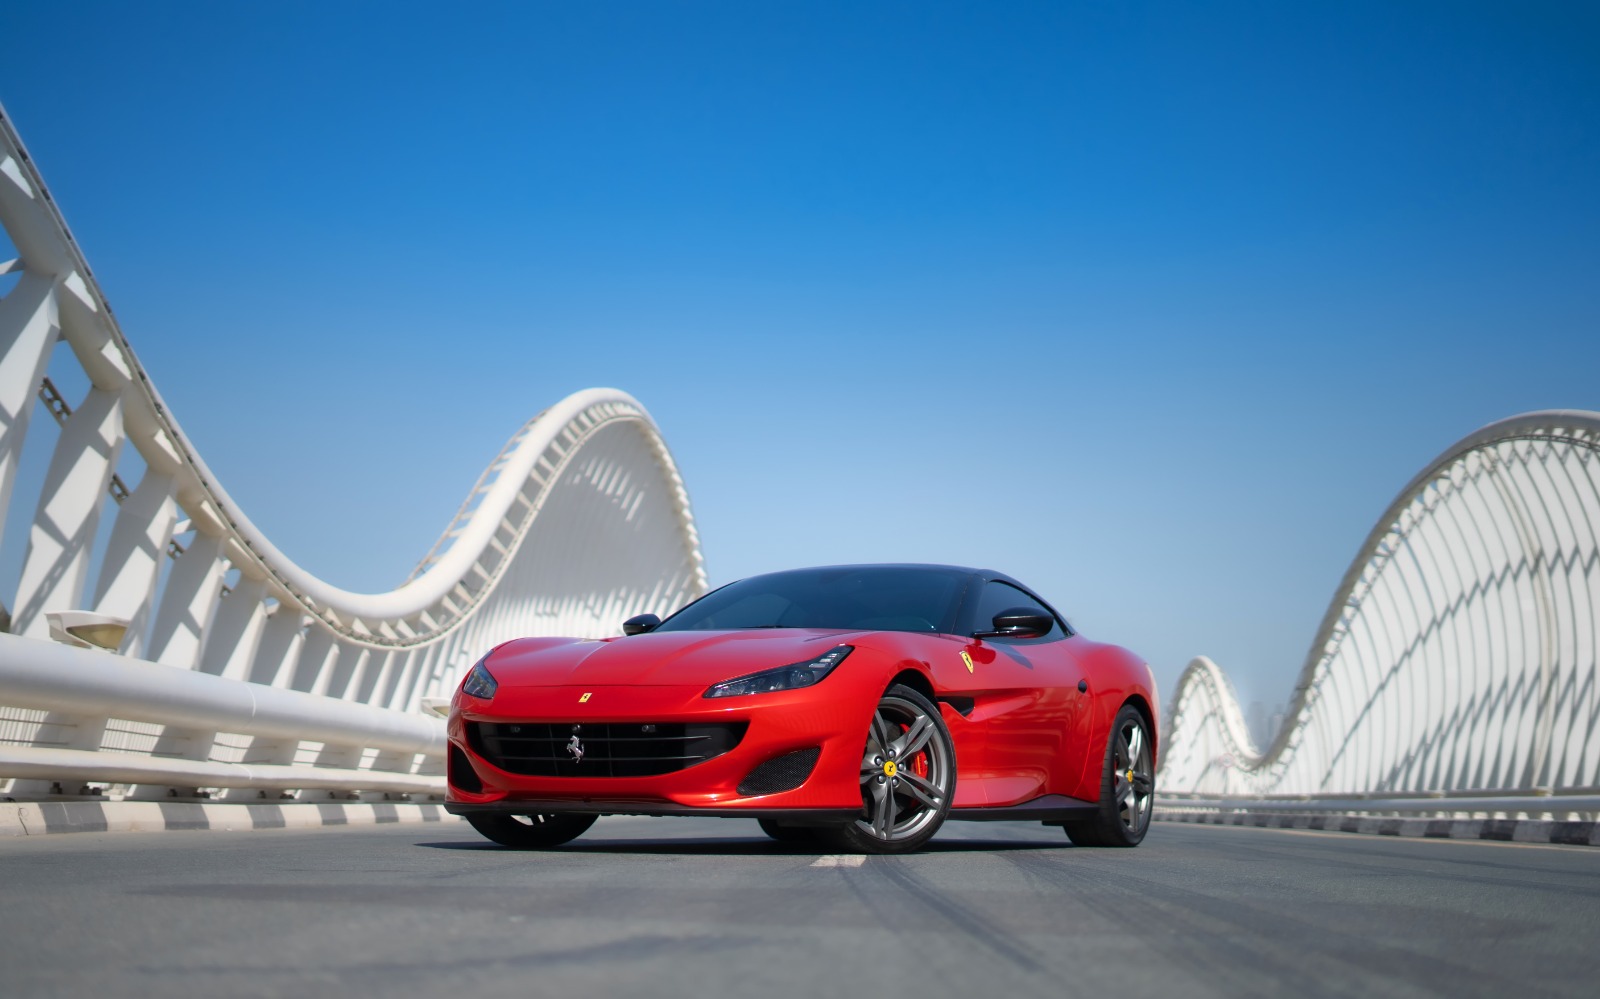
[{"x": 997, "y": 597}]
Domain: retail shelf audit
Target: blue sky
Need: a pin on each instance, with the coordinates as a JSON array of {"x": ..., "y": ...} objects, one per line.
[{"x": 1155, "y": 306}]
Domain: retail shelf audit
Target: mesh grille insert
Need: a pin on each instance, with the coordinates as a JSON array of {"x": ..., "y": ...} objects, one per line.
[
  {"x": 781, "y": 773},
  {"x": 601, "y": 749}
]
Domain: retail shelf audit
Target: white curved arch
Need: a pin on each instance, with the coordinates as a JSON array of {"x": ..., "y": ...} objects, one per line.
[
  {"x": 580, "y": 521},
  {"x": 1459, "y": 652},
  {"x": 504, "y": 504}
]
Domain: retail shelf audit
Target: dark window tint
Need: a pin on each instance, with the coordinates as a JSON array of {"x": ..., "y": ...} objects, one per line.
[
  {"x": 875, "y": 598},
  {"x": 997, "y": 597}
]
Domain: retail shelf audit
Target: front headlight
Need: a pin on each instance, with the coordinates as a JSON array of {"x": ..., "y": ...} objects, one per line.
[
  {"x": 790, "y": 677},
  {"x": 479, "y": 682}
]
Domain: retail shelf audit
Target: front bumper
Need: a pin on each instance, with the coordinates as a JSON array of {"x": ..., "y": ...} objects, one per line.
[
  {"x": 560, "y": 806},
  {"x": 778, "y": 724}
]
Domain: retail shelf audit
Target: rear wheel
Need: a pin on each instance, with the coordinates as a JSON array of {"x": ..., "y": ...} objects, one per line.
[
  {"x": 530, "y": 832},
  {"x": 1127, "y": 787},
  {"x": 908, "y": 774}
]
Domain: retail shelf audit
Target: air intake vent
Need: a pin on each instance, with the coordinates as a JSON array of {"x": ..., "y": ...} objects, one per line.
[
  {"x": 460, "y": 771},
  {"x": 781, "y": 773},
  {"x": 600, "y": 749}
]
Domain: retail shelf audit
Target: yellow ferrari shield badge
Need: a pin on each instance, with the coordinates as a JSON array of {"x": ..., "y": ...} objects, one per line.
[
  {"x": 585, "y": 698},
  {"x": 967, "y": 659}
]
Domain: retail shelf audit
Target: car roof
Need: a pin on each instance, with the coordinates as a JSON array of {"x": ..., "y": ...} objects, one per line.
[{"x": 930, "y": 566}]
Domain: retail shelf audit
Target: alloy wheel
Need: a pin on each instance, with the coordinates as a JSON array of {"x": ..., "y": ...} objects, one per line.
[
  {"x": 907, "y": 772},
  {"x": 1133, "y": 776}
]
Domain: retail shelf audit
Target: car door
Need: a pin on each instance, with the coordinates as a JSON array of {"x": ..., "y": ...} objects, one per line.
[{"x": 1029, "y": 701}]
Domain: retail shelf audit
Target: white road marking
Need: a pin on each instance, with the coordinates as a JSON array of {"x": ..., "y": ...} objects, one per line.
[{"x": 840, "y": 860}]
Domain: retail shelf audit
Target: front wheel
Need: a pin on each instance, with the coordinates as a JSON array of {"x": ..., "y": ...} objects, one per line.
[
  {"x": 908, "y": 775},
  {"x": 792, "y": 835},
  {"x": 530, "y": 832},
  {"x": 1127, "y": 787}
]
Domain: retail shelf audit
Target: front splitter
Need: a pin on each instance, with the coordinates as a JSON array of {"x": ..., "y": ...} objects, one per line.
[{"x": 799, "y": 816}]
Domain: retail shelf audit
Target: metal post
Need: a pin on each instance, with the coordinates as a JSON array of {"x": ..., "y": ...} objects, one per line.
[
  {"x": 132, "y": 565},
  {"x": 189, "y": 602},
  {"x": 29, "y": 325},
  {"x": 69, "y": 513}
]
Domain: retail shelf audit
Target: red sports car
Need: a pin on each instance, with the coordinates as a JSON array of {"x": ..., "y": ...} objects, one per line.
[{"x": 857, "y": 706}]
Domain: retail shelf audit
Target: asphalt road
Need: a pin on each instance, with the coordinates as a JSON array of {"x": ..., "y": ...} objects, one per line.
[{"x": 709, "y": 908}]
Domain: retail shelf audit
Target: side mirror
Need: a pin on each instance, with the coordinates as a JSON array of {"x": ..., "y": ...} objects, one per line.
[
  {"x": 1019, "y": 622},
  {"x": 640, "y": 624}
]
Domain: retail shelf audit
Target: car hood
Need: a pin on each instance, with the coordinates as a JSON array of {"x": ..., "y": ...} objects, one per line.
[{"x": 673, "y": 658}]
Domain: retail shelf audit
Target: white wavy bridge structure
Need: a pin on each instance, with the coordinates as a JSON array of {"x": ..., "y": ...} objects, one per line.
[
  {"x": 159, "y": 644},
  {"x": 1455, "y": 672}
]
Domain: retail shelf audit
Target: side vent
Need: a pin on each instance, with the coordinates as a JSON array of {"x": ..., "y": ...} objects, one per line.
[
  {"x": 781, "y": 773},
  {"x": 962, "y": 705}
]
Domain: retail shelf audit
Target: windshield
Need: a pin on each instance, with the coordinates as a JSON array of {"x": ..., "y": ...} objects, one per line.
[{"x": 849, "y": 598}]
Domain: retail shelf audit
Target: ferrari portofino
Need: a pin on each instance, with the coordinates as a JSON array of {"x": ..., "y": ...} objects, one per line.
[{"x": 853, "y": 706}]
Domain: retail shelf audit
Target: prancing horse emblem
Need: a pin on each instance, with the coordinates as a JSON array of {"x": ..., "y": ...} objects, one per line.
[{"x": 575, "y": 746}]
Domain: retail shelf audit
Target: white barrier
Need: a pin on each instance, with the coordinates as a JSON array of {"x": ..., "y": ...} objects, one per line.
[
  {"x": 1568, "y": 802},
  {"x": 85, "y": 688}
]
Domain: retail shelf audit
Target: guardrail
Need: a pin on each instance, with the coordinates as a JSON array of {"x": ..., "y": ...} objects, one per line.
[
  {"x": 169, "y": 732},
  {"x": 1580, "y": 802}
]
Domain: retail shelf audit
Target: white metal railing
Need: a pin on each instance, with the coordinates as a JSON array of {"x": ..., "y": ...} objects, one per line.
[
  {"x": 133, "y": 546},
  {"x": 386, "y": 751}
]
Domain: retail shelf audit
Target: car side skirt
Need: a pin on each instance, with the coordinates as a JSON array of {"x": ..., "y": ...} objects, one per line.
[{"x": 1051, "y": 809}]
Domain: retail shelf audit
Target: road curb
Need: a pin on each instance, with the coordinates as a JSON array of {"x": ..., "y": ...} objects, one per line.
[
  {"x": 38, "y": 818},
  {"x": 1569, "y": 833}
]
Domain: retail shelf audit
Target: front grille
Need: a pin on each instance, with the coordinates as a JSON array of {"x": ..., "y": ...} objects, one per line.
[
  {"x": 781, "y": 773},
  {"x": 600, "y": 749}
]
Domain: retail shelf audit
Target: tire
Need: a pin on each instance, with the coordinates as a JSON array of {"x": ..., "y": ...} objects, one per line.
[
  {"x": 908, "y": 776},
  {"x": 530, "y": 832},
  {"x": 1127, "y": 787},
  {"x": 792, "y": 835}
]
